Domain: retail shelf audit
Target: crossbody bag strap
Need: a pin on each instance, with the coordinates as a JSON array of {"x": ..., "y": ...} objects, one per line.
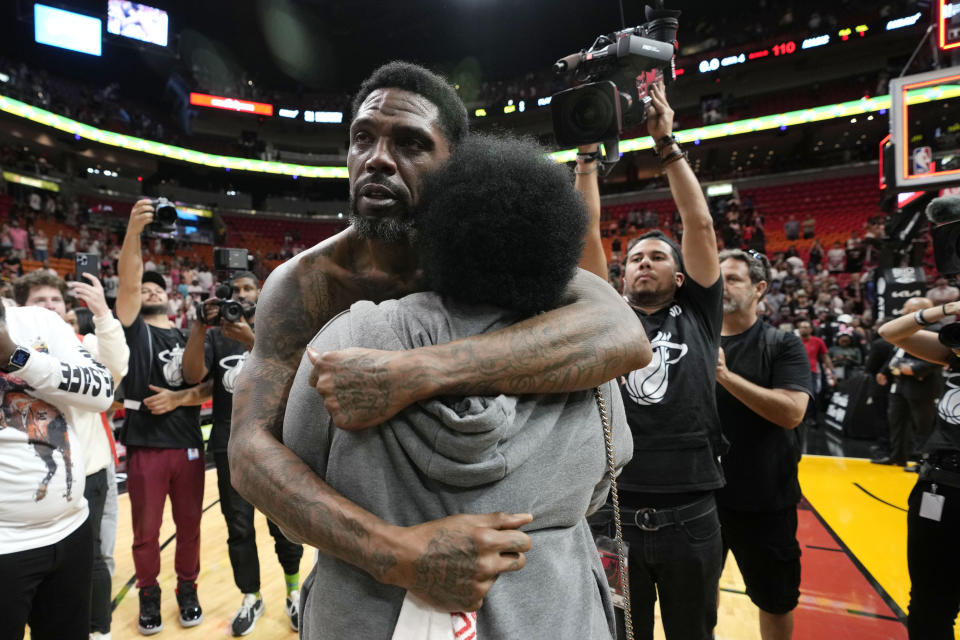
[{"x": 618, "y": 526}]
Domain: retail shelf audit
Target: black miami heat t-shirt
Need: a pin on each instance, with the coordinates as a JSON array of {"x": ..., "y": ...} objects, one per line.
[
  {"x": 156, "y": 358},
  {"x": 671, "y": 405},
  {"x": 224, "y": 359}
]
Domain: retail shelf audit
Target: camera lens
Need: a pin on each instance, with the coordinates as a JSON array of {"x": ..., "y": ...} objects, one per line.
[
  {"x": 231, "y": 311},
  {"x": 589, "y": 113}
]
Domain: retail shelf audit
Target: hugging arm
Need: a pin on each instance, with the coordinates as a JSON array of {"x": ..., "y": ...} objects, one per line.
[{"x": 593, "y": 338}]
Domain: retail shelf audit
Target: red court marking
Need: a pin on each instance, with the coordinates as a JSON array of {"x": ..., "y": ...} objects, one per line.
[{"x": 831, "y": 587}]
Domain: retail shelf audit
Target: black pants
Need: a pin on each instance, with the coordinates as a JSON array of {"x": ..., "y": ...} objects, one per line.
[
  {"x": 933, "y": 558},
  {"x": 908, "y": 417},
  {"x": 681, "y": 564},
  {"x": 49, "y": 589},
  {"x": 242, "y": 538},
  {"x": 95, "y": 491}
]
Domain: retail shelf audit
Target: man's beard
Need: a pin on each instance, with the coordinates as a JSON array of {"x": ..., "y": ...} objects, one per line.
[
  {"x": 650, "y": 299},
  {"x": 154, "y": 310},
  {"x": 733, "y": 305},
  {"x": 396, "y": 228}
]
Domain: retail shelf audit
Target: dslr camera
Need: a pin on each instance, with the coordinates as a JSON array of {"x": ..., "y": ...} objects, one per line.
[
  {"x": 611, "y": 80},
  {"x": 227, "y": 263},
  {"x": 229, "y": 310},
  {"x": 164, "y": 214}
]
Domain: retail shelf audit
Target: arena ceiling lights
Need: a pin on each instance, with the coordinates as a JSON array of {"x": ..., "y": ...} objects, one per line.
[
  {"x": 44, "y": 117},
  {"x": 791, "y": 118},
  {"x": 751, "y": 125}
]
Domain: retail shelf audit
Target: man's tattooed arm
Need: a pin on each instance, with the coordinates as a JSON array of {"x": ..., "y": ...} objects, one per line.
[
  {"x": 286, "y": 489},
  {"x": 594, "y": 338}
]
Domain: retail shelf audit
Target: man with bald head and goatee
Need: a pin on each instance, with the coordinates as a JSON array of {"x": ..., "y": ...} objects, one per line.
[{"x": 914, "y": 385}]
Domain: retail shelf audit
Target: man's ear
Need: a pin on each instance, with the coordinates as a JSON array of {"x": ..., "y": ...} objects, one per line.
[
  {"x": 680, "y": 278},
  {"x": 761, "y": 289}
]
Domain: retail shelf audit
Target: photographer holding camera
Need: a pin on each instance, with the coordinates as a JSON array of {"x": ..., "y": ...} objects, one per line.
[
  {"x": 161, "y": 431},
  {"x": 933, "y": 520},
  {"x": 667, "y": 491},
  {"x": 218, "y": 345}
]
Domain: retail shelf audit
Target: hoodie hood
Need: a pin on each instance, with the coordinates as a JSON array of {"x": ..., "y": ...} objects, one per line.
[{"x": 460, "y": 441}]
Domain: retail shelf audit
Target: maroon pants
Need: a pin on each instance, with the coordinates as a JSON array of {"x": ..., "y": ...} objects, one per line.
[{"x": 152, "y": 474}]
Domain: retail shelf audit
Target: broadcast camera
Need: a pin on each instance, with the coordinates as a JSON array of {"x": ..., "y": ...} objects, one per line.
[
  {"x": 227, "y": 263},
  {"x": 612, "y": 78}
]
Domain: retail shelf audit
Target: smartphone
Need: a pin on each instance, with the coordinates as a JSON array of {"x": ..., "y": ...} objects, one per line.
[{"x": 87, "y": 263}]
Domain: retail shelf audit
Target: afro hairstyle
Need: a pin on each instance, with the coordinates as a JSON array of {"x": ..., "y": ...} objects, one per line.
[
  {"x": 416, "y": 79},
  {"x": 501, "y": 224}
]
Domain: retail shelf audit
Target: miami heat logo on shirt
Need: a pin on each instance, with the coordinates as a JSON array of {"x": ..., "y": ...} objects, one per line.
[
  {"x": 949, "y": 406},
  {"x": 172, "y": 360},
  {"x": 649, "y": 385},
  {"x": 232, "y": 366}
]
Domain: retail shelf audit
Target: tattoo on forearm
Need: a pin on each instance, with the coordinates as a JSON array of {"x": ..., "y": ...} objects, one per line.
[
  {"x": 347, "y": 539},
  {"x": 446, "y": 569}
]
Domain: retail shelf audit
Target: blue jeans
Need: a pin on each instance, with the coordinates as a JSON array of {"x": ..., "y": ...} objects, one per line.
[{"x": 682, "y": 563}]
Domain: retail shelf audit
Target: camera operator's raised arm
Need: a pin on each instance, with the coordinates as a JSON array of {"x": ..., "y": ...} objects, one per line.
[
  {"x": 130, "y": 263},
  {"x": 587, "y": 183},
  {"x": 905, "y": 333},
  {"x": 699, "y": 241}
]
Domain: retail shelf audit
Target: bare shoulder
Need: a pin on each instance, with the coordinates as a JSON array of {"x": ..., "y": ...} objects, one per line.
[{"x": 298, "y": 298}]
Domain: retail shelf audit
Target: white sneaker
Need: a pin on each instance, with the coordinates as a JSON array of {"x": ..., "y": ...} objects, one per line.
[
  {"x": 293, "y": 609},
  {"x": 250, "y": 611}
]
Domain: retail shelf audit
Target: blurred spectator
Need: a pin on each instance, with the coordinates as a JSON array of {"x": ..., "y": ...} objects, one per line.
[
  {"x": 845, "y": 355},
  {"x": 40, "y": 250},
  {"x": 809, "y": 227},
  {"x": 815, "y": 257},
  {"x": 792, "y": 227},
  {"x": 820, "y": 363},
  {"x": 855, "y": 254},
  {"x": 6, "y": 243},
  {"x": 19, "y": 239},
  {"x": 942, "y": 293},
  {"x": 835, "y": 258}
]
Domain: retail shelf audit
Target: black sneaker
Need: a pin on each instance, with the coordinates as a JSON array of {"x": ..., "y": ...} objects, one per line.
[
  {"x": 149, "y": 622},
  {"x": 250, "y": 611},
  {"x": 190, "y": 612}
]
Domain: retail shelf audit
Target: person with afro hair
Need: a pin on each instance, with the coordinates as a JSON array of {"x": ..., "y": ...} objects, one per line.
[
  {"x": 500, "y": 230},
  {"x": 406, "y": 124}
]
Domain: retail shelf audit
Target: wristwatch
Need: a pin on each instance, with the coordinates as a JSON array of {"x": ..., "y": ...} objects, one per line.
[{"x": 18, "y": 360}]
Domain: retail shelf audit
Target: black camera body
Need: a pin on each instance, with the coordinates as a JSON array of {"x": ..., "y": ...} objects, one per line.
[
  {"x": 227, "y": 262},
  {"x": 230, "y": 260},
  {"x": 229, "y": 310},
  {"x": 608, "y": 74},
  {"x": 164, "y": 214}
]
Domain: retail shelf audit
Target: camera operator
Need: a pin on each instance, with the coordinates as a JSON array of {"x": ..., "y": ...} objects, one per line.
[
  {"x": 670, "y": 515},
  {"x": 933, "y": 520},
  {"x": 218, "y": 347},
  {"x": 161, "y": 432}
]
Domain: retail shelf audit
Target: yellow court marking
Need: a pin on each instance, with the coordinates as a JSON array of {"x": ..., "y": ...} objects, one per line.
[{"x": 874, "y": 532}]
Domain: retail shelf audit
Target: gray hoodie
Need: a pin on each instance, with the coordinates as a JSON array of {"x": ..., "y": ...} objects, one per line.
[{"x": 542, "y": 454}]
